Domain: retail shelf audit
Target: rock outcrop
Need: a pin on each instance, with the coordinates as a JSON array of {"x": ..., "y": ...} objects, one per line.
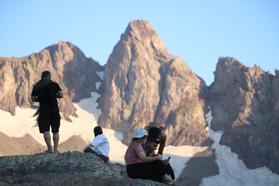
[
  {"x": 144, "y": 83},
  {"x": 73, "y": 168},
  {"x": 76, "y": 74},
  {"x": 245, "y": 104}
]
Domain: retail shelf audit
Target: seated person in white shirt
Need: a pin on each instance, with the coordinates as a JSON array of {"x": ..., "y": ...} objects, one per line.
[{"x": 99, "y": 145}]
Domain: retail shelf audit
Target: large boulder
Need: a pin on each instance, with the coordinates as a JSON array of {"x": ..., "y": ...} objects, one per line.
[{"x": 71, "y": 168}]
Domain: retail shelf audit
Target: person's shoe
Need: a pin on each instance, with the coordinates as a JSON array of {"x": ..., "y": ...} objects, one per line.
[
  {"x": 172, "y": 183},
  {"x": 48, "y": 151},
  {"x": 56, "y": 152},
  {"x": 168, "y": 180}
]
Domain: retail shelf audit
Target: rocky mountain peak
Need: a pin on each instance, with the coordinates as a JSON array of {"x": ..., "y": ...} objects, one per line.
[
  {"x": 228, "y": 70},
  {"x": 142, "y": 32},
  {"x": 245, "y": 104},
  {"x": 229, "y": 66},
  {"x": 232, "y": 65},
  {"x": 64, "y": 52},
  {"x": 229, "y": 61},
  {"x": 144, "y": 83},
  {"x": 140, "y": 28}
]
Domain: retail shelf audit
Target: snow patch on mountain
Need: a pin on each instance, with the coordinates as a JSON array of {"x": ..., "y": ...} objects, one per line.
[
  {"x": 232, "y": 169},
  {"x": 101, "y": 75}
]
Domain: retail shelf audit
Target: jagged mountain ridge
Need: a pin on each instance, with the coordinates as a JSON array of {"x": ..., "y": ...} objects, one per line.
[
  {"x": 75, "y": 73},
  {"x": 245, "y": 104},
  {"x": 143, "y": 83}
]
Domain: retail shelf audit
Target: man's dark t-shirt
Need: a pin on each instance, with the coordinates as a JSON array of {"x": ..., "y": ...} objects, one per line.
[{"x": 47, "y": 90}]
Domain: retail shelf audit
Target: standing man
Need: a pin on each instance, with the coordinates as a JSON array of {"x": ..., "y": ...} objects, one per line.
[
  {"x": 45, "y": 92},
  {"x": 156, "y": 133}
]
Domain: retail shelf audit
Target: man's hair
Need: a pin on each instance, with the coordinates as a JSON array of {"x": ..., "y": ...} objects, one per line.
[
  {"x": 152, "y": 140},
  {"x": 154, "y": 124},
  {"x": 98, "y": 130},
  {"x": 154, "y": 133},
  {"x": 45, "y": 74}
]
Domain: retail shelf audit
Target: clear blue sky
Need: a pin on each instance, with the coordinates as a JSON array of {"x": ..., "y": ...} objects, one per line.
[{"x": 198, "y": 31}]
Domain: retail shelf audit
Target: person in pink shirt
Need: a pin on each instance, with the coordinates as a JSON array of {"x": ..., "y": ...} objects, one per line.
[{"x": 141, "y": 166}]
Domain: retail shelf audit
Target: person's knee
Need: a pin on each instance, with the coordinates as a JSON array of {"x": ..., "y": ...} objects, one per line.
[
  {"x": 158, "y": 164},
  {"x": 46, "y": 133},
  {"x": 163, "y": 137},
  {"x": 55, "y": 136}
]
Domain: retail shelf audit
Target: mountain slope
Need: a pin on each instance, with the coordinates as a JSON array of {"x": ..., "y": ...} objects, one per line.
[
  {"x": 21, "y": 145},
  {"x": 143, "y": 82},
  {"x": 245, "y": 104}
]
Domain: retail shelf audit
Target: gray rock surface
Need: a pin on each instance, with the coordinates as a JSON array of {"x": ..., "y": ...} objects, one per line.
[
  {"x": 71, "y": 168},
  {"x": 245, "y": 104},
  {"x": 75, "y": 73},
  {"x": 144, "y": 83}
]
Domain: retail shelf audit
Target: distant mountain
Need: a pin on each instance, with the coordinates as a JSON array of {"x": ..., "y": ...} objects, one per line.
[
  {"x": 74, "y": 143},
  {"x": 28, "y": 145},
  {"x": 143, "y": 83},
  {"x": 245, "y": 104},
  {"x": 76, "y": 74},
  {"x": 22, "y": 145}
]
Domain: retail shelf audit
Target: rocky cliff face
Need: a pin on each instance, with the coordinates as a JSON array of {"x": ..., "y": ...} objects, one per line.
[
  {"x": 144, "y": 83},
  {"x": 75, "y": 73},
  {"x": 245, "y": 104},
  {"x": 73, "y": 168}
]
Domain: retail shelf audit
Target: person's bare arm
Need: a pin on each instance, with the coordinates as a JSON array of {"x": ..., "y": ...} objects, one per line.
[
  {"x": 59, "y": 94},
  {"x": 149, "y": 158}
]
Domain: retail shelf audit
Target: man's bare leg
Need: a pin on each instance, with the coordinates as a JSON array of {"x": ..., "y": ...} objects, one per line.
[
  {"x": 48, "y": 141},
  {"x": 56, "y": 141},
  {"x": 162, "y": 143}
]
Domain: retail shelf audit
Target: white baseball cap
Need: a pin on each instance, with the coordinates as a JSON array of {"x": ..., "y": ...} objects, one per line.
[{"x": 140, "y": 133}]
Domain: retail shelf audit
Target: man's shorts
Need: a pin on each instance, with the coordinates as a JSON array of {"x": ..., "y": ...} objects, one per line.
[{"x": 47, "y": 121}]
